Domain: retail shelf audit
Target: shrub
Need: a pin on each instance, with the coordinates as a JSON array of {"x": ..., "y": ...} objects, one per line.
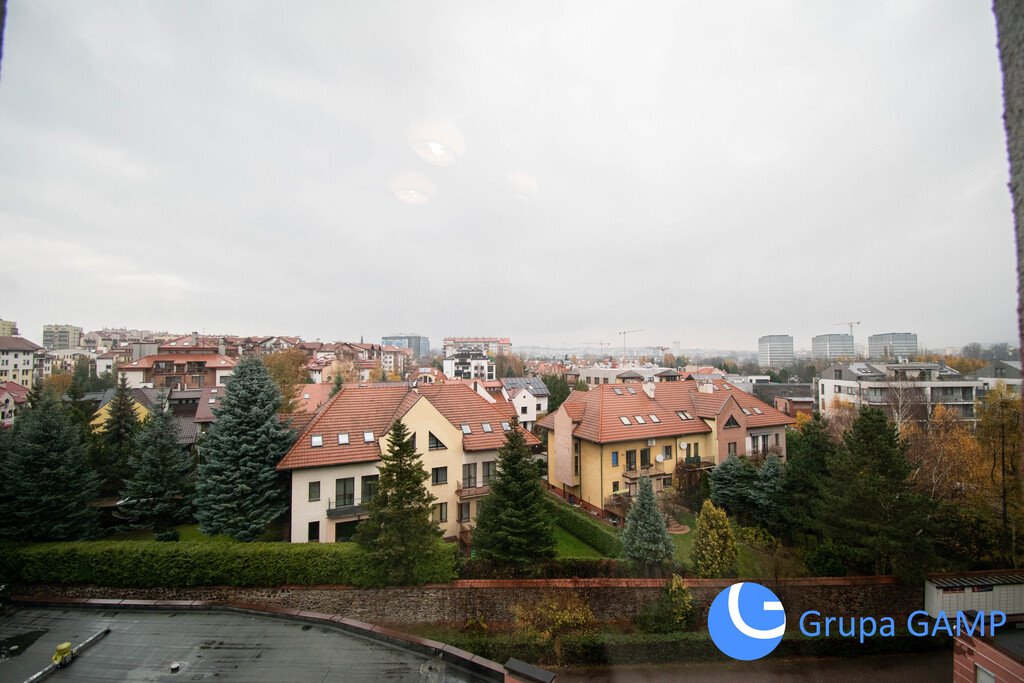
[
  {"x": 590, "y": 531},
  {"x": 554, "y": 615},
  {"x": 825, "y": 560},
  {"x": 168, "y": 536},
  {"x": 672, "y": 612},
  {"x": 152, "y": 564},
  {"x": 566, "y": 568}
]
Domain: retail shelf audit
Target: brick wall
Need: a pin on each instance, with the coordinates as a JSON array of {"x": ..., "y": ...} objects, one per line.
[{"x": 610, "y": 599}]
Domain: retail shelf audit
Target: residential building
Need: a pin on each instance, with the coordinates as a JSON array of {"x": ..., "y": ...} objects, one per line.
[
  {"x": 62, "y": 336},
  {"x": 188, "y": 365},
  {"x": 8, "y": 328},
  {"x": 529, "y": 396},
  {"x": 64, "y": 360},
  {"x": 599, "y": 374},
  {"x": 603, "y": 440},
  {"x": 833, "y": 346},
  {"x": 489, "y": 345},
  {"x": 775, "y": 351},
  {"x": 419, "y": 344},
  {"x": 22, "y": 361},
  {"x": 892, "y": 345},
  {"x": 795, "y": 405},
  {"x": 144, "y": 401},
  {"x": 469, "y": 362},
  {"x": 429, "y": 376},
  {"x": 12, "y": 397},
  {"x": 906, "y": 391},
  {"x": 107, "y": 361},
  {"x": 334, "y": 461},
  {"x": 1005, "y": 371},
  {"x": 393, "y": 359}
]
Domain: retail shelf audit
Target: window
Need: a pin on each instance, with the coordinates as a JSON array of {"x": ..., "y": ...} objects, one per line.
[
  {"x": 487, "y": 427},
  {"x": 838, "y": 374},
  {"x": 506, "y": 426},
  {"x": 440, "y": 513},
  {"x": 640, "y": 419},
  {"x": 983, "y": 675},
  {"x": 538, "y": 407},
  {"x": 625, "y": 420},
  {"x": 731, "y": 422},
  {"x": 439, "y": 475},
  {"x": 313, "y": 533},
  {"x": 314, "y": 491},
  {"x": 435, "y": 443},
  {"x": 645, "y": 458},
  {"x": 466, "y": 429},
  {"x": 469, "y": 475},
  {"x": 615, "y": 487},
  {"x": 696, "y": 450},
  {"x": 666, "y": 452},
  {"x": 464, "y": 512},
  {"x": 732, "y": 448},
  {"x": 489, "y": 471},
  {"x": 776, "y": 438},
  {"x": 342, "y": 439},
  {"x": 615, "y": 458},
  {"x": 576, "y": 464},
  {"x": 758, "y": 411},
  {"x": 630, "y": 460},
  {"x": 316, "y": 441},
  {"x": 631, "y": 390},
  {"x": 683, "y": 415},
  {"x": 344, "y": 492},
  {"x": 369, "y": 489},
  {"x": 654, "y": 418},
  {"x": 522, "y": 410},
  {"x": 618, "y": 392},
  {"x": 745, "y": 411}
]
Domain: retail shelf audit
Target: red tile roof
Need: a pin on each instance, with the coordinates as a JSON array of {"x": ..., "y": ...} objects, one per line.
[
  {"x": 309, "y": 397},
  {"x": 204, "y": 411},
  {"x": 18, "y": 344},
  {"x": 18, "y": 392},
  {"x": 212, "y": 360}
]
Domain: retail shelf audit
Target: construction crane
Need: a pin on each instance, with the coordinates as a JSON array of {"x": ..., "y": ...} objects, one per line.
[
  {"x": 624, "y": 333},
  {"x": 851, "y": 323}
]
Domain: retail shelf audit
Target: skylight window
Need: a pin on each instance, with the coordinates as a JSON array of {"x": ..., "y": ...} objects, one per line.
[
  {"x": 466, "y": 429},
  {"x": 213, "y": 391},
  {"x": 758, "y": 411},
  {"x": 213, "y": 400},
  {"x": 506, "y": 426},
  {"x": 316, "y": 440},
  {"x": 625, "y": 420},
  {"x": 305, "y": 397},
  {"x": 746, "y": 411},
  {"x": 654, "y": 418},
  {"x": 368, "y": 437},
  {"x": 342, "y": 439},
  {"x": 683, "y": 415},
  {"x": 631, "y": 390},
  {"x": 640, "y": 419},
  {"x": 487, "y": 427},
  {"x": 617, "y": 391}
]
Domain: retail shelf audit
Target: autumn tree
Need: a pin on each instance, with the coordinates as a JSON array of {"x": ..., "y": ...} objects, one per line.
[
  {"x": 841, "y": 416},
  {"x": 946, "y": 460},
  {"x": 509, "y": 365},
  {"x": 288, "y": 370},
  {"x": 714, "y": 552},
  {"x": 57, "y": 384},
  {"x": 999, "y": 435}
]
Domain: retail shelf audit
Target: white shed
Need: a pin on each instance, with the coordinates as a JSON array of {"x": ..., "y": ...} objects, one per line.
[{"x": 951, "y": 594}]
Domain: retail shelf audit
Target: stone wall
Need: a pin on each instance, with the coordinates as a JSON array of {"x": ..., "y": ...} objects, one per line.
[{"x": 610, "y": 599}]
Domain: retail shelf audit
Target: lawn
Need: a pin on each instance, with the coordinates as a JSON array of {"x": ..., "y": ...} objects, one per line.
[
  {"x": 684, "y": 545},
  {"x": 567, "y": 545}
]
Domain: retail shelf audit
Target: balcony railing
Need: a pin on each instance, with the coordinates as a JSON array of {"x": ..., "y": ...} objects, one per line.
[
  {"x": 345, "y": 507},
  {"x": 471, "y": 488},
  {"x": 644, "y": 470}
]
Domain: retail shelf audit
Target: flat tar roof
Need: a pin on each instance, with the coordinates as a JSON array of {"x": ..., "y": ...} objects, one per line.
[{"x": 142, "y": 645}]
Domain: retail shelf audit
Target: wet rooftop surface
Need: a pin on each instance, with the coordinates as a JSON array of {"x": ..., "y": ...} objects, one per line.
[{"x": 209, "y": 645}]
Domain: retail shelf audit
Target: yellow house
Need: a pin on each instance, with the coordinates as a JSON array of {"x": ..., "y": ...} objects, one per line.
[
  {"x": 602, "y": 441},
  {"x": 334, "y": 460},
  {"x": 143, "y": 401}
]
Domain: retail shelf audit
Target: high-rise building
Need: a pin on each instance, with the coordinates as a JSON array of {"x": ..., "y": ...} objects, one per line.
[
  {"x": 490, "y": 345},
  {"x": 8, "y": 328},
  {"x": 775, "y": 351},
  {"x": 62, "y": 336},
  {"x": 892, "y": 345},
  {"x": 832, "y": 346},
  {"x": 419, "y": 344}
]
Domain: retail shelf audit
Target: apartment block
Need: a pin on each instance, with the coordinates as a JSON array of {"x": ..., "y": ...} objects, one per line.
[
  {"x": 469, "y": 362},
  {"x": 833, "y": 346},
  {"x": 419, "y": 344},
  {"x": 489, "y": 345},
  {"x": 22, "y": 361},
  {"x": 892, "y": 345},
  {"x": 1006, "y": 371},
  {"x": 62, "y": 336},
  {"x": 334, "y": 461},
  {"x": 597, "y": 374},
  {"x": 8, "y": 328},
  {"x": 775, "y": 351},
  {"x": 185, "y": 363}
]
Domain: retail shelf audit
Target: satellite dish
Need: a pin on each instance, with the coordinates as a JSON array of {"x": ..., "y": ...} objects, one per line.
[{"x": 659, "y": 457}]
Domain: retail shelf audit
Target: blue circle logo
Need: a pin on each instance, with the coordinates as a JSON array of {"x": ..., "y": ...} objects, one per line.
[{"x": 746, "y": 621}]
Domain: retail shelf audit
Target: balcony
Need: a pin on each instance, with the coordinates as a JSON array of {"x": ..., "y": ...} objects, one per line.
[
  {"x": 472, "y": 488},
  {"x": 644, "y": 470},
  {"x": 345, "y": 509},
  {"x": 466, "y": 533}
]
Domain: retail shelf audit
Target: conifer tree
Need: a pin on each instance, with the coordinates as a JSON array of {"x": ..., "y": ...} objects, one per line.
[
  {"x": 398, "y": 534},
  {"x": 339, "y": 382},
  {"x": 645, "y": 539},
  {"x": 239, "y": 491},
  {"x": 154, "y": 495},
  {"x": 48, "y": 483},
  {"x": 714, "y": 551},
  {"x": 513, "y": 526},
  {"x": 807, "y": 452},
  {"x": 733, "y": 486},
  {"x": 768, "y": 493},
  {"x": 115, "y": 444}
]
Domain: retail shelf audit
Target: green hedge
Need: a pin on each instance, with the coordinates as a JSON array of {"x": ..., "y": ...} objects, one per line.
[
  {"x": 152, "y": 564},
  {"x": 604, "y": 649},
  {"x": 581, "y": 525},
  {"x": 568, "y": 568}
]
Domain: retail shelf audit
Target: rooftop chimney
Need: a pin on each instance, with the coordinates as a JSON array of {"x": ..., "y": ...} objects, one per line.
[
  {"x": 706, "y": 387},
  {"x": 649, "y": 388}
]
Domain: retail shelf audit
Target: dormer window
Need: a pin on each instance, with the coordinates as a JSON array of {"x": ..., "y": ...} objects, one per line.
[
  {"x": 343, "y": 439},
  {"x": 316, "y": 441}
]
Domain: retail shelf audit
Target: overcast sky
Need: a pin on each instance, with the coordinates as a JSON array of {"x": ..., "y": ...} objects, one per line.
[{"x": 708, "y": 172}]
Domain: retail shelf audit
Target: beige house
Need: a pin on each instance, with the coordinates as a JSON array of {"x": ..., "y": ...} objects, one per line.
[{"x": 334, "y": 461}]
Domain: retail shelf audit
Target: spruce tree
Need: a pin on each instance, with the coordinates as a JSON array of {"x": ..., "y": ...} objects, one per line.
[
  {"x": 807, "y": 451},
  {"x": 645, "y": 539},
  {"x": 734, "y": 486},
  {"x": 398, "y": 533},
  {"x": 48, "y": 481},
  {"x": 239, "y": 492},
  {"x": 714, "y": 551},
  {"x": 115, "y": 444},
  {"x": 513, "y": 526},
  {"x": 339, "y": 382},
  {"x": 154, "y": 495},
  {"x": 768, "y": 493}
]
